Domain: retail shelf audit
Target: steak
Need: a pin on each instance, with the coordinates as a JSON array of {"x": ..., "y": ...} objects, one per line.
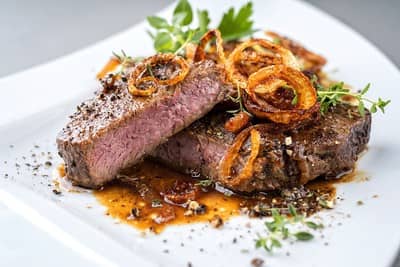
[
  {"x": 287, "y": 157},
  {"x": 115, "y": 129}
]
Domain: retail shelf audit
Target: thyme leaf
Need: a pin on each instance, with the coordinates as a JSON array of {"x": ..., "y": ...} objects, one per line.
[
  {"x": 205, "y": 183},
  {"x": 125, "y": 61},
  {"x": 278, "y": 229},
  {"x": 336, "y": 93}
]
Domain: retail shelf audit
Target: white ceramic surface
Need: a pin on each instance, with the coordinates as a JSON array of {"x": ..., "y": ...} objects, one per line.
[{"x": 35, "y": 103}]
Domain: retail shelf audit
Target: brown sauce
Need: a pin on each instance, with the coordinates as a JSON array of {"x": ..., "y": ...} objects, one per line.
[{"x": 151, "y": 197}]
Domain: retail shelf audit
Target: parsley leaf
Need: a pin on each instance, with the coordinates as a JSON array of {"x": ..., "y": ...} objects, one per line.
[
  {"x": 172, "y": 37},
  {"x": 183, "y": 14},
  {"x": 164, "y": 42},
  {"x": 204, "y": 20},
  {"x": 235, "y": 26},
  {"x": 157, "y": 22}
]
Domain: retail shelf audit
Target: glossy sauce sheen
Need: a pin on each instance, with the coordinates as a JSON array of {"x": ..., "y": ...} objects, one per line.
[{"x": 142, "y": 198}]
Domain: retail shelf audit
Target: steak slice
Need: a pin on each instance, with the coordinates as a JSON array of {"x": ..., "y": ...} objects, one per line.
[
  {"x": 115, "y": 129},
  {"x": 329, "y": 147}
]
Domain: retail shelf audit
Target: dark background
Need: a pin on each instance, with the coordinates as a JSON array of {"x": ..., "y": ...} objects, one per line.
[{"x": 33, "y": 32}]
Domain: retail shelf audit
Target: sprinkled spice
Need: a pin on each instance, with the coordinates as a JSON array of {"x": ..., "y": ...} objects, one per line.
[
  {"x": 56, "y": 192},
  {"x": 48, "y": 164},
  {"x": 257, "y": 262}
]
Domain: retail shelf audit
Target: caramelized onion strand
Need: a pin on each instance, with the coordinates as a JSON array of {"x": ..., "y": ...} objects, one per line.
[
  {"x": 136, "y": 78},
  {"x": 200, "y": 53},
  {"x": 267, "y": 80},
  {"x": 233, "y": 153},
  {"x": 279, "y": 56}
]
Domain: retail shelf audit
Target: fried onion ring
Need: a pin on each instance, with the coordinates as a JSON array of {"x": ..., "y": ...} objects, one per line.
[
  {"x": 200, "y": 53},
  {"x": 136, "y": 78},
  {"x": 264, "y": 83},
  {"x": 310, "y": 60},
  {"x": 225, "y": 168},
  {"x": 276, "y": 54}
]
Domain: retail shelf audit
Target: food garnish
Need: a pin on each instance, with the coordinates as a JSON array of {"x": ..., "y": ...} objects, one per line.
[
  {"x": 118, "y": 64},
  {"x": 334, "y": 94},
  {"x": 278, "y": 229},
  {"x": 138, "y": 78},
  {"x": 232, "y": 153},
  {"x": 205, "y": 183},
  {"x": 173, "y": 36},
  {"x": 236, "y": 26},
  {"x": 264, "y": 53},
  {"x": 200, "y": 53},
  {"x": 266, "y": 90},
  {"x": 309, "y": 60},
  {"x": 110, "y": 66},
  {"x": 237, "y": 122}
]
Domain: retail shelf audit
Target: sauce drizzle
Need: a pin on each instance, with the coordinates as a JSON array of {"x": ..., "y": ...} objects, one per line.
[{"x": 151, "y": 197}]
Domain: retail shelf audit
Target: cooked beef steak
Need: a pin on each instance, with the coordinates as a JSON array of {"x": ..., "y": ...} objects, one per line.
[
  {"x": 328, "y": 147},
  {"x": 115, "y": 129}
]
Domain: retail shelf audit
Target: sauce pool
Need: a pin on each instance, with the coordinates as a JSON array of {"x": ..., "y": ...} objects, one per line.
[{"x": 151, "y": 197}]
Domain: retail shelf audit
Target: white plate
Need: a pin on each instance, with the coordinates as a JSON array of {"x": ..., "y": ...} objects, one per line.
[{"x": 34, "y": 106}]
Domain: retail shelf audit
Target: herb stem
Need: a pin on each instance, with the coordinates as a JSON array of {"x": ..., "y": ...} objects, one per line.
[{"x": 188, "y": 39}]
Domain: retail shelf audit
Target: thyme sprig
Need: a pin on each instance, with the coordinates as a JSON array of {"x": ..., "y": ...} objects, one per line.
[
  {"x": 336, "y": 93},
  {"x": 125, "y": 61},
  {"x": 205, "y": 183},
  {"x": 278, "y": 229},
  {"x": 238, "y": 100}
]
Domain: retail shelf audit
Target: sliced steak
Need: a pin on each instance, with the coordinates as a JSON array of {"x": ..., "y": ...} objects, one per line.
[
  {"x": 287, "y": 158},
  {"x": 115, "y": 129}
]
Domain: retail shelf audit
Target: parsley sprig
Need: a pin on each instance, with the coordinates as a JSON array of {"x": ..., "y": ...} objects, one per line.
[
  {"x": 334, "y": 94},
  {"x": 172, "y": 36},
  {"x": 278, "y": 229},
  {"x": 234, "y": 26}
]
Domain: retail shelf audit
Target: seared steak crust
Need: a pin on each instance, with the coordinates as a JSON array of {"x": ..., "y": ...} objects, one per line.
[
  {"x": 328, "y": 147},
  {"x": 115, "y": 129}
]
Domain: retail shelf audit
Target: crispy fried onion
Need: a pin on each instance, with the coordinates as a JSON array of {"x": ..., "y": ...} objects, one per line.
[
  {"x": 143, "y": 82},
  {"x": 201, "y": 54},
  {"x": 110, "y": 66},
  {"x": 310, "y": 60},
  {"x": 225, "y": 170},
  {"x": 263, "y": 53},
  {"x": 266, "y": 93},
  {"x": 237, "y": 122}
]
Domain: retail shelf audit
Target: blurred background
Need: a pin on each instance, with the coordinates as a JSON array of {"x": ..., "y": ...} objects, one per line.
[{"x": 33, "y": 32}]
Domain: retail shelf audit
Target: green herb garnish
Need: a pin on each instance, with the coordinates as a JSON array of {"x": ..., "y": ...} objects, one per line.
[
  {"x": 205, "y": 183},
  {"x": 156, "y": 203},
  {"x": 125, "y": 61},
  {"x": 334, "y": 94},
  {"x": 173, "y": 36},
  {"x": 235, "y": 26},
  {"x": 238, "y": 100},
  {"x": 278, "y": 229}
]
